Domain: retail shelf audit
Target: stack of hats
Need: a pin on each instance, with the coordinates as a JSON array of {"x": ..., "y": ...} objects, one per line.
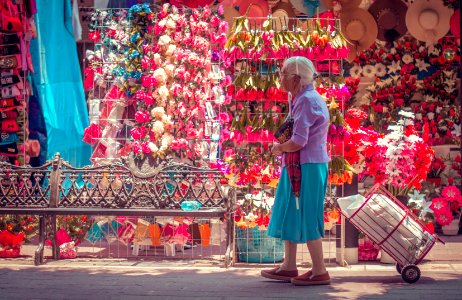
[{"x": 13, "y": 88}]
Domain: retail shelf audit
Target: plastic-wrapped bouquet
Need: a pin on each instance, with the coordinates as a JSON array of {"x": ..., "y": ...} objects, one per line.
[
  {"x": 401, "y": 159},
  {"x": 254, "y": 210}
]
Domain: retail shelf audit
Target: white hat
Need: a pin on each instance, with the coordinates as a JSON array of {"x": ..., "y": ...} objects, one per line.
[
  {"x": 428, "y": 20},
  {"x": 359, "y": 28}
]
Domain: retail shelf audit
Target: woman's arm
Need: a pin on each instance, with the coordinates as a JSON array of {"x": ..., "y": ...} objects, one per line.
[{"x": 288, "y": 146}]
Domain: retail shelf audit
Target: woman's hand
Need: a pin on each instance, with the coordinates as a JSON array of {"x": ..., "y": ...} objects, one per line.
[{"x": 276, "y": 150}]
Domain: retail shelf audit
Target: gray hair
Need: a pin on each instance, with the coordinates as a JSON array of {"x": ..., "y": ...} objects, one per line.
[{"x": 301, "y": 66}]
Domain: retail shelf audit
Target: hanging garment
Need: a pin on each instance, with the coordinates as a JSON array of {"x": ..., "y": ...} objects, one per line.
[
  {"x": 58, "y": 82},
  {"x": 76, "y": 21}
]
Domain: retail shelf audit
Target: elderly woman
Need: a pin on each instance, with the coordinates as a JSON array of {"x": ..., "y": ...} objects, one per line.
[{"x": 299, "y": 219}]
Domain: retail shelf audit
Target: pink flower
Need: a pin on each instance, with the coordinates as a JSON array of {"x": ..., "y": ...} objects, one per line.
[
  {"x": 229, "y": 153},
  {"x": 220, "y": 10},
  {"x": 178, "y": 144},
  {"x": 215, "y": 21},
  {"x": 450, "y": 192},
  {"x": 138, "y": 132},
  {"x": 148, "y": 81},
  {"x": 148, "y": 100},
  {"x": 444, "y": 217},
  {"x": 182, "y": 109},
  {"x": 137, "y": 147},
  {"x": 158, "y": 30},
  {"x": 191, "y": 133},
  {"x": 140, "y": 94},
  {"x": 145, "y": 148},
  {"x": 142, "y": 116},
  {"x": 223, "y": 27},
  {"x": 176, "y": 89},
  {"x": 225, "y": 117}
]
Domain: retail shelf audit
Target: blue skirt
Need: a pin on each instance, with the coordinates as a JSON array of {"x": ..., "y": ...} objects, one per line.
[{"x": 306, "y": 223}]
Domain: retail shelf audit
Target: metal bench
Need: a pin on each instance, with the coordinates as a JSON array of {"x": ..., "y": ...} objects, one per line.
[{"x": 125, "y": 188}]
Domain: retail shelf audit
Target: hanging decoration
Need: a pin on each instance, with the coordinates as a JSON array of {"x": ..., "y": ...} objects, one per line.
[{"x": 166, "y": 82}]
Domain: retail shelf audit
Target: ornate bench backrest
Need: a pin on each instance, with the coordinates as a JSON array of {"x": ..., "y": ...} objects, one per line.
[
  {"x": 25, "y": 186},
  {"x": 116, "y": 186}
]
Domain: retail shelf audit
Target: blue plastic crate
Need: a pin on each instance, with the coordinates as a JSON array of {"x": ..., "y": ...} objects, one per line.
[{"x": 254, "y": 246}]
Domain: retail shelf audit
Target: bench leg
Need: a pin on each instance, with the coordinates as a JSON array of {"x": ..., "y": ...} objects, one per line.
[
  {"x": 38, "y": 258},
  {"x": 229, "y": 255},
  {"x": 54, "y": 245}
]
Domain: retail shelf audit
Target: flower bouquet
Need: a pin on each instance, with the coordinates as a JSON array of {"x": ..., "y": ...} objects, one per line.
[
  {"x": 400, "y": 160},
  {"x": 447, "y": 208},
  {"x": 10, "y": 244}
]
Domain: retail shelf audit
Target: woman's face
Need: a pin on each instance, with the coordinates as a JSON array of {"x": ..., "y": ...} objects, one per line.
[{"x": 289, "y": 82}]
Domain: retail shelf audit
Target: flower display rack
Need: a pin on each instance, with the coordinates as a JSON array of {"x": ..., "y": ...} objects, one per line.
[{"x": 255, "y": 54}]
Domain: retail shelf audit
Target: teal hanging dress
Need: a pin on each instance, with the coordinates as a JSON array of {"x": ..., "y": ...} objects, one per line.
[{"x": 58, "y": 82}]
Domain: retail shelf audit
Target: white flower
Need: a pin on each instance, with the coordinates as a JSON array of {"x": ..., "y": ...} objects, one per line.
[
  {"x": 169, "y": 69},
  {"x": 158, "y": 59},
  {"x": 166, "y": 140},
  {"x": 153, "y": 147},
  {"x": 433, "y": 50},
  {"x": 421, "y": 49},
  {"x": 356, "y": 71},
  {"x": 418, "y": 116},
  {"x": 438, "y": 109},
  {"x": 160, "y": 75},
  {"x": 456, "y": 130},
  {"x": 421, "y": 65},
  {"x": 158, "y": 112},
  {"x": 394, "y": 67},
  {"x": 380, "y": 70},
  {"x": 171, "y": 24},
  {"x": 406, "y": 114},
  {"x": 167, "y": 120},
  {"x": 164, "y": 40},
  {"x": 163, "y": 92},
  {"x": 407, "y": 59},
  {"x": 157, "y": 128},
  {"x": 162, "y": 23},
  {"x": 431, "y": 115},
  {"x": 369, "y": 71},
  {"x": 170, "y": 50},
  {"x": 393, "y": 51}
]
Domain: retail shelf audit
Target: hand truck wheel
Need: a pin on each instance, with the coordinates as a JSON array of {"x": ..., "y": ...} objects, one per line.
[
  {"x": 410, "y": 273},
  {"x": 399, "y": 268}
]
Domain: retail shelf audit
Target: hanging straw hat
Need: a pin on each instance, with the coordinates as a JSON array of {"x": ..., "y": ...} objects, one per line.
[
  {"x": 428, "y": 20},
  {"x": 258, "y": 9},
  {"x": 283, "y": 12},
  {"x": 359, "y": 28},
  {"x": 454, "y": 23},
  {"x": 390, "y": 16},
  {"x": 346, "y": 4}
]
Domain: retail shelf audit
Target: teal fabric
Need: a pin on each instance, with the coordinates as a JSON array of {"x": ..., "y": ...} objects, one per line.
[
  {"x": 58, "y": 82},
  {"x": 306, "y": 223}
]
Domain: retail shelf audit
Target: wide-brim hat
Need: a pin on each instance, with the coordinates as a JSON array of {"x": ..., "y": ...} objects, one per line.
[
  {"x": 359, "y": 28},
  {"x": 283, "y": 14},
  {"x": 346, "y": 4},
  {"x": 258, "y": 10},
  {"x": 428, "y": 21},
  {"x": 454, "y": 23},
  {"x": 390, "y": 16}
]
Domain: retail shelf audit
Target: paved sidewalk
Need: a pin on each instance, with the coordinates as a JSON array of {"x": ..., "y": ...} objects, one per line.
[
  {"x": 108, "y": 279},
  {"x": 146, "y": 279}
]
